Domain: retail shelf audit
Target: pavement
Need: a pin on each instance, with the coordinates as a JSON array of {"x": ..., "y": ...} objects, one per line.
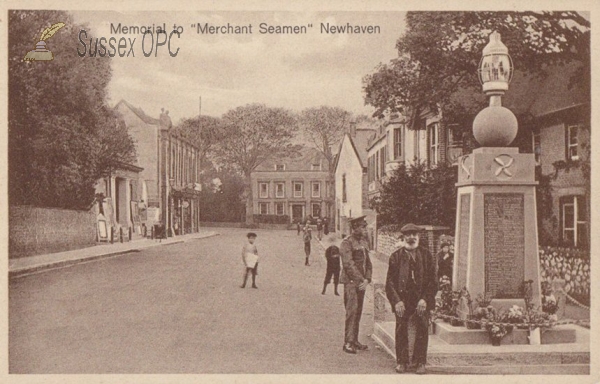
[
  {"x": 39, "y": 263},
  {"x": 180, "y": 309}
]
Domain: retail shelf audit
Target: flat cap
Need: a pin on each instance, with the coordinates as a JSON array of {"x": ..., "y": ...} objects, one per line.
[
  {"x": 410, "y": 228},
  {"x": 356, "y": 220},
  {"x": 251, "y": 234}
]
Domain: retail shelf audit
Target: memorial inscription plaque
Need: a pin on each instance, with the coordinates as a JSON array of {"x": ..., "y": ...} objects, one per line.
[
  {"x": 504, "y": 244},
  {"x": 463, "y": 241}
]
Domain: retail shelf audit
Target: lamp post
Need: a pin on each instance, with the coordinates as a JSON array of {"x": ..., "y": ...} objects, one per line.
[{"x": 496, "y": 244}]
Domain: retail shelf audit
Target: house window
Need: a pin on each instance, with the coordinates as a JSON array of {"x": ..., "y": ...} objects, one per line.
[
  {"x": 344, "y": 196},
  {"x": 316, "y": 189},
  {"x": 434, "y": 143},
  {"x": 573, "y": 210},
  {"x": 537, "y": 147},
  {"x": 572, "y": 142},
  {"x": 263, "y": 190},
  {"x": 397, "y": 143},
  {"x": 279, "y": 209},
  {"x": 263, "y": 208},
  {"x": 316, "y": 210},
  {"x": 280, "y": 167},
  {"x": 382, "y": 158},
  {"x": 315, "y": 167},
  {"x": 298, "y": 189},
  {"x": 279, "y": 190}
]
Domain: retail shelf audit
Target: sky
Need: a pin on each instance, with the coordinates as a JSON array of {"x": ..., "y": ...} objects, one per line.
[{"x": 227, "y": 71}]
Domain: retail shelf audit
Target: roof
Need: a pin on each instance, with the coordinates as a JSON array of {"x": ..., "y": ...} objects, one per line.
[
  {"x": 361, "y": 142},
  {"x": 139, "y": 112},
  {"x": 302, "y": 160}
]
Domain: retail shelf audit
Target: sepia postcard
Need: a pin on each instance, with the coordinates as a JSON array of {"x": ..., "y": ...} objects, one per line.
[{"x": 331, "y": 192}]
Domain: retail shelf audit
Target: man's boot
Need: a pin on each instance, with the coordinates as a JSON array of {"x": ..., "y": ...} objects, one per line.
[
  {"x": 324, "y": 288},
  {"x": 254, "y": 281},
  {"x": 336, "y": 292}
]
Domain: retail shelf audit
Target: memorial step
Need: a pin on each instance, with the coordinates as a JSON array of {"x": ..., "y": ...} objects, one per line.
[{"x": 570, "y": 358}]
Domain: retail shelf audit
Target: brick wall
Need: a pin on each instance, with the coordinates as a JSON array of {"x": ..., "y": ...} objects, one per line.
[{"x": 34, "y": 231}]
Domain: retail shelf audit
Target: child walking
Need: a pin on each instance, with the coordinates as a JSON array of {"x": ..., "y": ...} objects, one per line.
[{"x": 250, "y": 259}]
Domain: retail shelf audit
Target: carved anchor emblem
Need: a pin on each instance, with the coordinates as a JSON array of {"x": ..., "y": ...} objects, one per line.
[
  {"x": 503, "y": 167},
  {"x": 464, "y": 167}
]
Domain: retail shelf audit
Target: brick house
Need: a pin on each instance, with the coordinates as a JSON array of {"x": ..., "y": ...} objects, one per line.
[{"x": 296, "y": 186}]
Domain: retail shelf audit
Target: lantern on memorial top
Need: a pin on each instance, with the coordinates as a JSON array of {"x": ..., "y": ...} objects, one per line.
[
  {"x": 495, "y": 126},
  {"x": 495, "y": 67}
]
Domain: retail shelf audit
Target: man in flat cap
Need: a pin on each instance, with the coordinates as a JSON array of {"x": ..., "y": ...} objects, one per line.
[
  {"x": 356, "y": 276},
  {"x": 411, "y": 286}
]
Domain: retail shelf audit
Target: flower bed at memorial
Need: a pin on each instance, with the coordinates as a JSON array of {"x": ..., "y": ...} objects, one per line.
[{"x": 572, "y": 265}]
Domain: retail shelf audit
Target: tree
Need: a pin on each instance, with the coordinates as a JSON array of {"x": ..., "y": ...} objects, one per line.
[
  {"x": 255, "y": 133},
  {"x": 324, "y": 128},
  {"x": 418, "y": 194},
  {"x": 204, "y": 132},
  {"x": 439, "y": 54},
  {"x": 62, "y": 135},
  {"x": 221, "y": 196}
]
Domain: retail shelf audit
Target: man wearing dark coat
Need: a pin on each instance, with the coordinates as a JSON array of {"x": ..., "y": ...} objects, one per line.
[
  {"x": 411, "y": 286},
  {"x": 356, "y": 276}
]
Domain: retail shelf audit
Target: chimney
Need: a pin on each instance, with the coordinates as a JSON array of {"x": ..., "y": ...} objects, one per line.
[{"x": 352, "y": 130}]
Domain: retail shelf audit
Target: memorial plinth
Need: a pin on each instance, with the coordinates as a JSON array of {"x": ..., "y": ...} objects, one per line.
[{"x": 496, "y": 247}]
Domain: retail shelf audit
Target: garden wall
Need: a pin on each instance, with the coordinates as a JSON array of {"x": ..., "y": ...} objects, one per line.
[{"x": 35, "y": 230}]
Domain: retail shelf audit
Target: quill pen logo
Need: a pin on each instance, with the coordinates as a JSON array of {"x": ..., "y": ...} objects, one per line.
[{"x": 41, "y": 51}]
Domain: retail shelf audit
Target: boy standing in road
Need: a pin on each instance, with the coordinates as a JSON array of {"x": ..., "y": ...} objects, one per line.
[{"x": 250, "y": 259}]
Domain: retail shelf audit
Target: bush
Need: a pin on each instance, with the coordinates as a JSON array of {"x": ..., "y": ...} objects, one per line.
[{"x": 272, "y": 219}]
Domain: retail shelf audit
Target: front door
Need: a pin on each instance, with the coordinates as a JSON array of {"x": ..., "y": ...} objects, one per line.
[{"x": 297, "y": 212}]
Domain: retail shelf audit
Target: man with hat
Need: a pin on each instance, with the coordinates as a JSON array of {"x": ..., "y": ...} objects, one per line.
[
  {"x": 411, "y": 286},
  {"x": 356, "y": 276}
]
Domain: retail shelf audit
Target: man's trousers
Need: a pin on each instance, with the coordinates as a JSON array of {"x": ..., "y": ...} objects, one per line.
[
  {"x": 353, "y": 302},
  {"x": 419, "y": 355}
]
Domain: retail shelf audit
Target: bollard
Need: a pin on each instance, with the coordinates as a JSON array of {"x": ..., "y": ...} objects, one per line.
[{"x": 121, "y": 234}]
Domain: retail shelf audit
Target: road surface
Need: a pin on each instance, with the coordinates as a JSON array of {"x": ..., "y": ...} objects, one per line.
[{"x": 180, "y": 309}]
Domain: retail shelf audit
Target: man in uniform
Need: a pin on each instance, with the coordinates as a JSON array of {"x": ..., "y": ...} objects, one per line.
[
  {"x": 411, "y": 286},
  {"x": 356, "y": 276}
]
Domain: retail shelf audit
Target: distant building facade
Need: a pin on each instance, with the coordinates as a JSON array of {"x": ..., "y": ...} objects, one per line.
[
  {"x": 170, "y": 172},
  {"x": 296, "y": 186}
]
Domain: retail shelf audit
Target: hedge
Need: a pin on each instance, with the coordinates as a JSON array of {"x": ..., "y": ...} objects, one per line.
[{"x": 272, "y": 219}]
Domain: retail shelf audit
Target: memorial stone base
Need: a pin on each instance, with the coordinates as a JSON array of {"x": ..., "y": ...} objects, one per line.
[{"x": 496, "y": 246}]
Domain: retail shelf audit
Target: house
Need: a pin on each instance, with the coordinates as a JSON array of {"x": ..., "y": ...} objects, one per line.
[
  {"x": 169, "y": 164},
  {"x": 296, "y": 186},
  {"x": 351, "y": 177},
  {"x": 554, "y": 117}
]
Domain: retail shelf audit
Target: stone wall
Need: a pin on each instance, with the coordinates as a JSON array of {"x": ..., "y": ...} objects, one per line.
[{"x": 35, "y": 231}]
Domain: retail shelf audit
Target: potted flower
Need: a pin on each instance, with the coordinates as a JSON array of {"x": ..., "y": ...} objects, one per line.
[
  {"x": 549, "y": 302},
  {"x": 496, "y": 332},
  {"x": 444, "y": 303}
]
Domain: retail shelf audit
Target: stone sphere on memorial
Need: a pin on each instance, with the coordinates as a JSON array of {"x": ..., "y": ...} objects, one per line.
[{"x": 495, "y": 126}]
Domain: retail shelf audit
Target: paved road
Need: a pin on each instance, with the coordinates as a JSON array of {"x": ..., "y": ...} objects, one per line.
[{"x": 179, "y": 309}]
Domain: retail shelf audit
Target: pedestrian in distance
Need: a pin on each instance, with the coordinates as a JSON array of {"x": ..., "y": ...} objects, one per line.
[
  {"x": 332, "y": 255},
  {"x": 411, "y": 286},
  {"x": 356, "y": 277},
  {"x": 307, "y": 237},
  {"x": 325, "y": 226},
  {"x": 298, "y": 227},
  {"x": 319, "y": 229},
  {"x": 250, "y": 259}
]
